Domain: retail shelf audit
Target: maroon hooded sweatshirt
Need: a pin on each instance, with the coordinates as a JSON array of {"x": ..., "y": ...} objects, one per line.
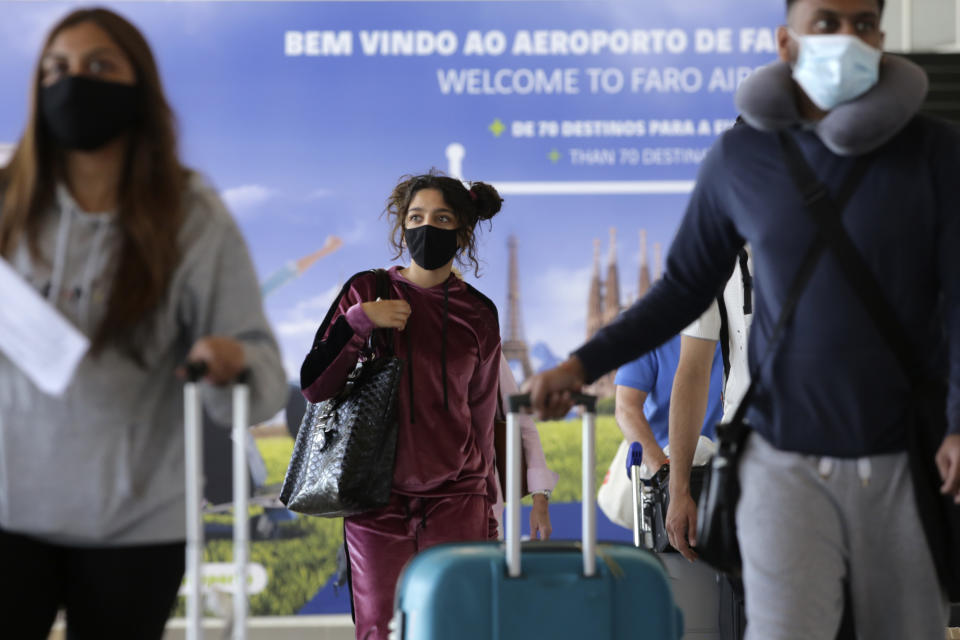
[{"x": 448, "y": 391}]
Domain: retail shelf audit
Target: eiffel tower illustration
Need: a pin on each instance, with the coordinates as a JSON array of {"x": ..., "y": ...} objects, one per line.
[{"x": 515, "y": 348}]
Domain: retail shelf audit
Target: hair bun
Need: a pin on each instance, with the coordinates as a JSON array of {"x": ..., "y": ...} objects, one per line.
[{"x": 487, "y": 199}]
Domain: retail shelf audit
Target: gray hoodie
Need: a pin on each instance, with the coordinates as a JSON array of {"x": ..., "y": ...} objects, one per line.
[{"x": 104, "y": 463}]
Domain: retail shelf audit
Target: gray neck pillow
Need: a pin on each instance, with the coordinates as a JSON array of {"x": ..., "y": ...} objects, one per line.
[{"x": 767, "y": 101}]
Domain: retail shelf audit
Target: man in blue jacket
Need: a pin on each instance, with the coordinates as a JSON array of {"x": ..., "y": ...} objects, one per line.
[{"x": 827, "y": 495}]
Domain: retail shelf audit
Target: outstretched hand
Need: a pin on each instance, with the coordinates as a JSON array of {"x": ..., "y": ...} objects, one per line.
[{"x": 551, "y": 391}]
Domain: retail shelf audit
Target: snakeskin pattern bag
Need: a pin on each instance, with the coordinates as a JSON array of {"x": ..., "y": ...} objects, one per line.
[{"x": 343, "y": 458}]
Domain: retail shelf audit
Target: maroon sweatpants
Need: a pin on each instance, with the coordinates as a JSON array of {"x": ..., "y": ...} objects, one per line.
[{"x": 381, "y": 542}]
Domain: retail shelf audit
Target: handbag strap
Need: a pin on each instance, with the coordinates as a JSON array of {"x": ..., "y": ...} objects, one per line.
[
  {"x": 815, "y": 197},
  {"x": 383, "y": 284},
  {"x": 383, "y": 293},
  {"x": 859, "y": 275}
]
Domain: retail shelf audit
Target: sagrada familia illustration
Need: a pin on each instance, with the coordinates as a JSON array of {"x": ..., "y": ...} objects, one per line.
[{"x": 604, "y": 302}]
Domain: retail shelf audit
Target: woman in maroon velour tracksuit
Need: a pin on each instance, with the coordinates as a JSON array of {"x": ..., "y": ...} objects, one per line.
[{"x": 448, "y": 335}]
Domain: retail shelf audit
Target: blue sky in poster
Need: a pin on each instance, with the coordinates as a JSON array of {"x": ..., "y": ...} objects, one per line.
[{"x": 305, "y": 146}]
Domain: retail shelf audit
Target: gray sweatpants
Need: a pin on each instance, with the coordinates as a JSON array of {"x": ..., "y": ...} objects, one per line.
[{"x": 806, "y": 524}]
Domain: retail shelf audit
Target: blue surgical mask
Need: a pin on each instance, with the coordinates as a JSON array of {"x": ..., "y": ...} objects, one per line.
[{"x": 835, "y": 68}]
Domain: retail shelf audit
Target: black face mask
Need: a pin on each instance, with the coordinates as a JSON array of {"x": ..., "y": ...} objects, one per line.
[
  {"x": 431, "y": 247},
  {"x": 85, "y": 114}
]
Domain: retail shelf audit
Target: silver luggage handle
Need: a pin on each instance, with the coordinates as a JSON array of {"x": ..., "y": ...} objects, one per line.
[
  {"x": 193, "y": 445},
  {"x": 589, "y": 515}
]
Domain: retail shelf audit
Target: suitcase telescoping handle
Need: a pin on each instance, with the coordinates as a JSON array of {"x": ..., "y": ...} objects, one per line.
[
  {"x": 193, "y": 436},
  {"x": 589, "y": 516}
]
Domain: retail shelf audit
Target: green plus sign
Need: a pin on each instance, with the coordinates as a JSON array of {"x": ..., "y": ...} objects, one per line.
[
  {"x": 554, "y": 156},
  {"x": 496, "y": 128}
]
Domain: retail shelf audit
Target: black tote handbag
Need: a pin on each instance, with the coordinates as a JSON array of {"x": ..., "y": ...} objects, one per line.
[{"x": 343, "y": 458}]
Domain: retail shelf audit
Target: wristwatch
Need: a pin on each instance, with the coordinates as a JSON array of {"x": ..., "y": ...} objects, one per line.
[{"x": 544, "y": 492}]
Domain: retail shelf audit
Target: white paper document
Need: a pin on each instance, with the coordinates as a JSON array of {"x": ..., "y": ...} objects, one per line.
[{"x": 35, "y": 336}]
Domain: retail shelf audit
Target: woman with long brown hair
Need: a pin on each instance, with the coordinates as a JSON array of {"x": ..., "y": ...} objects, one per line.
[{"x": 98, "y": 214}]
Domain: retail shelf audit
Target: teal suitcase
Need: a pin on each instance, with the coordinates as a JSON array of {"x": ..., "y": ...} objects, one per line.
[{"x": 488, "y": 591}]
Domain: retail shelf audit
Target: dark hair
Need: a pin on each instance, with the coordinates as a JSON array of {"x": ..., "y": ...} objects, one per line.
[
  {"x": 790, "y": 3},
  {"x": 480, "y": 202},
  {"x": 150, "y": 194}
]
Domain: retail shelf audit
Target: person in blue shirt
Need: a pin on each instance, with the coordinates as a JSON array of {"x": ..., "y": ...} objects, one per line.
[{"x": 643, "y": 399}]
